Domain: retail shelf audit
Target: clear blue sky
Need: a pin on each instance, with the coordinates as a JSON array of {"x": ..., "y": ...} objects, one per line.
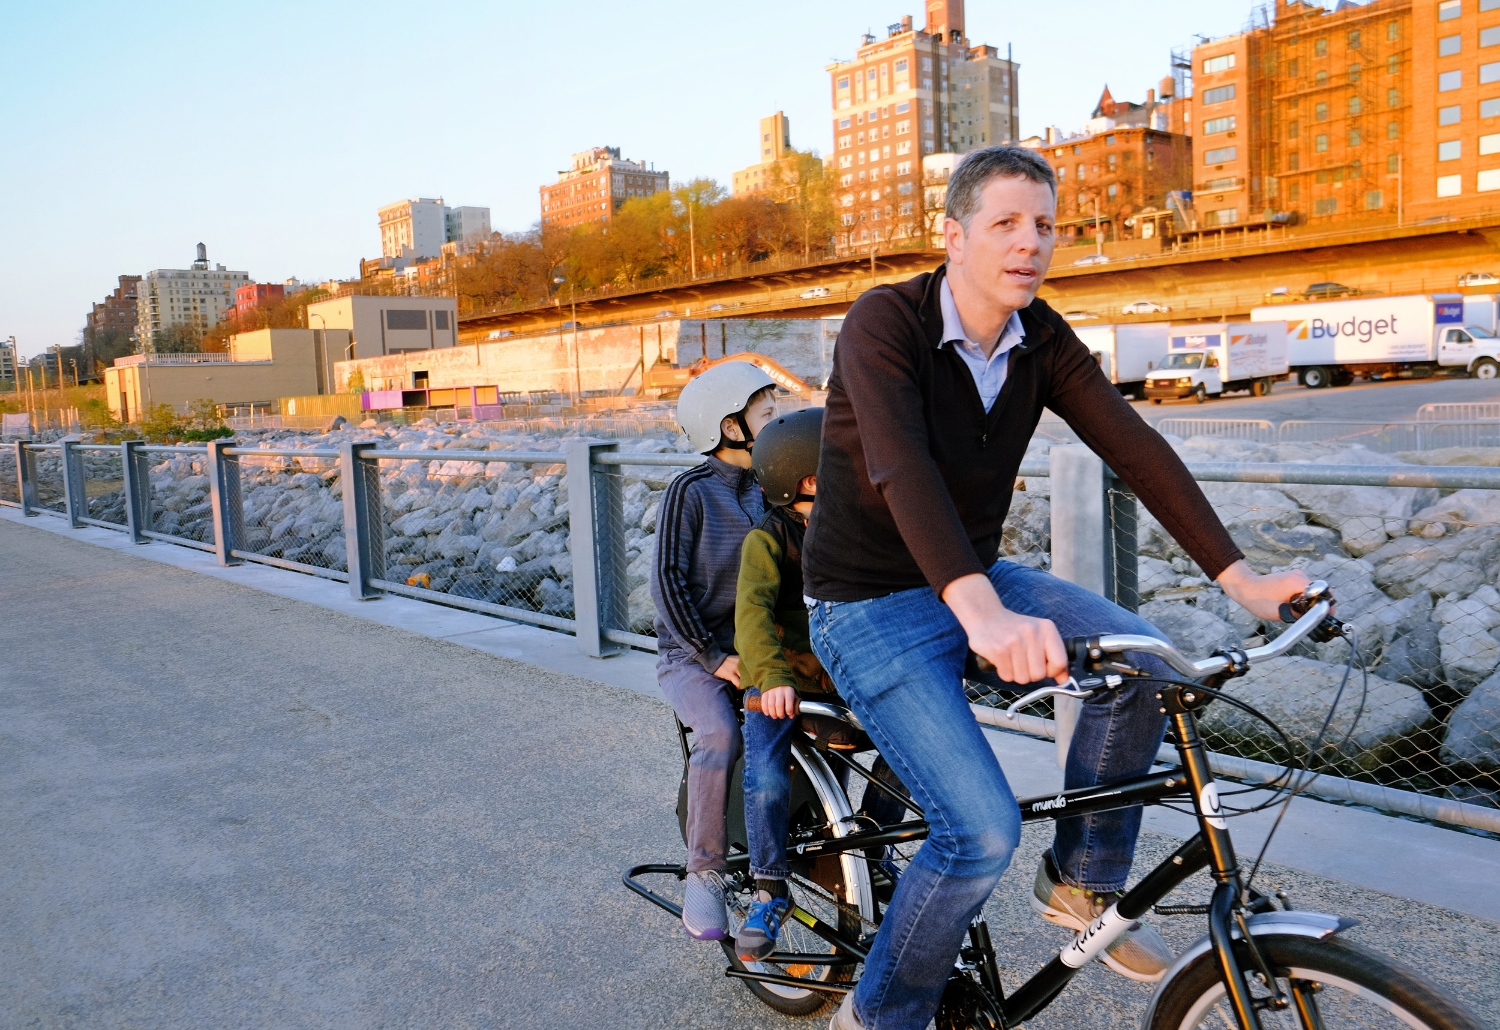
[{"x": 272, "y": 132}]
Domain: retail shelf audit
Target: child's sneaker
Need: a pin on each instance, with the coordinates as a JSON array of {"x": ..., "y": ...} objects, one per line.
[
  {"x": 703, "y": 910},
  {"x": 757, "y": 936}
]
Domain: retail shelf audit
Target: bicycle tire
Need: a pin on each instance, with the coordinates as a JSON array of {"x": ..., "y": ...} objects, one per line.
[
  {"x": 832, "y": 873},
  {"x": 1359, "y": 987}
]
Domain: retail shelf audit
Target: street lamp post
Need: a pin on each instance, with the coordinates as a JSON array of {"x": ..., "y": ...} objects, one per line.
[{"x": 573, "y": 304}]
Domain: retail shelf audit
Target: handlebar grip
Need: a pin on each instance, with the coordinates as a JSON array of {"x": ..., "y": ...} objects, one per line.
[{"x": 752, "y": 704}]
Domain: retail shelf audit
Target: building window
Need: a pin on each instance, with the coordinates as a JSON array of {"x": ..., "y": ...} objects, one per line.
[
  {"x": 903, "y": 127},
  {"x": 1320, "y": 112},
  {"x": 1327, "y": 206},
  {"x": 1354, "y": 105},
  {"x": 1217, "y": 125},
  {"x": 1109, "y": 162},
  {"x": 1489, "y": 144},
  {"x": 1489, "y": 36},
  {"x": 1450, "y": 150},
  {"x": 1488, "y": 180},
  {"x": 1320, "y": 48},
  {"x": 1291, "y": 68},
  {"x": 1215, "y": 157},
  {"x": 1449, "y": 81},
  {"x": 1320, "y": 143},
  {"x": 1392, "y": 130},
  {"x": 1080, "y": 169},
  {"x": 904, "y": 168},
  {"x": 1211, "y": 185},
  {"x": 1223, "y": 216},
  {"x": 1393, "y": 163},
  {"x": 1293, "y": 161},
  {"x": 1354, "y": 70},
  {"x": 1393, "y": 30},
  {"x": 1222, "y": 63},
  {"x": 1450, "y": 185},
  {"x": 1489, "y": 108},
  {"x": 843, "y": 123},
  {"x": 1294, "y": 192},
  {"x": 1392, "y": 64},
  {"x": 903, "y": 107},
  {"x": 1112, "y": 191},
  {"x": 1292, "y": 128},
  {"x": 1450, "y": 115},
  {"x": 1320, "y": 80},
  {"x": 1449, "y": 9},
  {"x": 1355, "y": 137},
  {"x": 1219, "y": 95},
  {"x": 1062, "y": 173},
  {"x": 1489, "y": 72},
  {"x": 1450, "y": 45},
  {"x": 1393, "y": 98}
]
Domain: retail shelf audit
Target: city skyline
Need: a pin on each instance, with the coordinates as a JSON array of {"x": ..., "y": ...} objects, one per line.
[{"x": 99, "y": 193}]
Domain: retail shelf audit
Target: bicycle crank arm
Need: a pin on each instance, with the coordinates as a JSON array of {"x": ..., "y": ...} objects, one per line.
[{"x": 789, "y": 981}]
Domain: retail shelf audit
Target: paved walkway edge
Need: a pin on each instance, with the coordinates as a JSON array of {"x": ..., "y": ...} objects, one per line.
[{"x": 1366, "y": 849}]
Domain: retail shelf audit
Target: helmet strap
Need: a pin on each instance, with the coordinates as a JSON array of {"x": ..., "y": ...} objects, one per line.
[
  {"x": 740, "y": 445},
  {"x": 803, "y": 497}
]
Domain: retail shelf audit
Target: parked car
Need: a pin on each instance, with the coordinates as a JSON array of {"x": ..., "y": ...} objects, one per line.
[
  {"x": 1144, "y": 307},
  {"x": 1478, "y": 279},
  {"x": 1093, "y": 259},
  {"x": 1278, "y": 294},
  {"x": 1079, "y": 316},
  {"x": 716, "y": 307},
  {"x": 816, "y": 292},
  {"x": 1327, "y": 291}
]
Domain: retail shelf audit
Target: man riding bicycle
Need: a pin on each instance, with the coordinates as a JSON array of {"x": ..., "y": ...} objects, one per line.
[{"x": 938, "y": 384}]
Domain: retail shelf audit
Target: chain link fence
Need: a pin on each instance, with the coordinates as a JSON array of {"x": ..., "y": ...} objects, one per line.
[
  {"x": 290, "y": 510},
  {"x": 47, "y": 477},
  {"x": 176, "y": 503},
  {"x": 103, "y": 471},
  {"x": 10, "y": 482}
]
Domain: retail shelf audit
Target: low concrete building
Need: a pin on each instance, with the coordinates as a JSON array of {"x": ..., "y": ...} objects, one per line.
[
  {"x": 617, "y": 359},
  {"x": 389, "y": 325},
  {"x": 258, "y": 368}
]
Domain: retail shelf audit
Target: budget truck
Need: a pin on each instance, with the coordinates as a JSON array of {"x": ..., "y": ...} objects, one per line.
[
  {"x": 1209, "y": 360},
  {"x": 1330, "y": 343},
  {"x": 1126, "y": 352}
]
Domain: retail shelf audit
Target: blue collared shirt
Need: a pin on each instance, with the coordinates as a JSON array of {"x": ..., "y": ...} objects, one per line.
[{"x": 988, "y": 372}]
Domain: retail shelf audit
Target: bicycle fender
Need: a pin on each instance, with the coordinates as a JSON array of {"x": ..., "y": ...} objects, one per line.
[{"x": 1296, "y": 923}]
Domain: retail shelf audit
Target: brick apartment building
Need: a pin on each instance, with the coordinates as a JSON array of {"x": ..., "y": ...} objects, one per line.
[
  {"x": 775, "y": 144},
  {"x": 914, "y": 93},
  {"x": 597, "y": 186},
  {"x": 1346, "y": 115}
]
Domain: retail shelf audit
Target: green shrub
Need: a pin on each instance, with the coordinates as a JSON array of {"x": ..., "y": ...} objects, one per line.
[{"x": 205, "y": 435}]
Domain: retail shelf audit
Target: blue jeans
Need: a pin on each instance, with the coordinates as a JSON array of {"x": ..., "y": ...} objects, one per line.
[
  {"x": 898, "y": 661},
  {"x": 768, "y": 791}
]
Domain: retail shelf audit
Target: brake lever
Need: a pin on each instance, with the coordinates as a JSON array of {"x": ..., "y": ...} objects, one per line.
[{"x": 1056, "y": 690}]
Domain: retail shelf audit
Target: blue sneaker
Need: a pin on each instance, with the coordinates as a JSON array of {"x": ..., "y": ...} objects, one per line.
[{"x": 757, "y": 937}]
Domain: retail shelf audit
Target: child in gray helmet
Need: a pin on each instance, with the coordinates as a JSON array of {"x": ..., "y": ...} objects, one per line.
[{"x": 704, "y": 516}]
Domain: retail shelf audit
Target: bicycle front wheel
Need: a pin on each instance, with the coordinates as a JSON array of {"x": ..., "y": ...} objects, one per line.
[{"x": 1331, "y": 984}]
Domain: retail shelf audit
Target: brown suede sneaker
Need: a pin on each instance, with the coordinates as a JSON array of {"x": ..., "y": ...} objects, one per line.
[{"x": 1139, "y": 953}]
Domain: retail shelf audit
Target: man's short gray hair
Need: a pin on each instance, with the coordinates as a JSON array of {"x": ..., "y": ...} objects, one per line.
[{"x": 978, "y": 167}]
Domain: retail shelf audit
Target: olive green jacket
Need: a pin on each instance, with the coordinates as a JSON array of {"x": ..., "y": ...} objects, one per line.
[{"x": 770, "y": 621}]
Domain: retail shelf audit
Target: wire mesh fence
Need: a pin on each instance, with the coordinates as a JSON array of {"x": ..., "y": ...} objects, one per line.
[
  {"x": 631, "y": 551},
  {"x": 290, "y": 509},
  {"x": 103, "y": 484},
  {"x": 47, "y": 466},
  {"x": 1413, "y": 573},
  {"x": 177, "y": 502},
  {"x": 1381, "y": 437},
  {"x": 485, "y": 528},
  {"x": 10, "y": 483}
]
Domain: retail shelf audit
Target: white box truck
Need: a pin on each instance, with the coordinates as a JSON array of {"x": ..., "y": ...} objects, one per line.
[
  {"x": 1332, "y": 342},
  {"x": 1126, "y": 352},
  {"x": 1211, "y": 359}
]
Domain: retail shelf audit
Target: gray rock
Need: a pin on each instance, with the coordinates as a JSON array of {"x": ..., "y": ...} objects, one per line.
[
  {"x": 1266, "y": 543},
  {"x": 641, "y": 610},
  {"x": 1215, "y": 601},
  {"x": 1194, "y": 630},
  {"x": 1365, "y": 516},
  {"x": 1028, "y": 526},
  {"x": 1458, "y": 510},
  {"x": 1153, "y": 574},
  {"x": 1450, "y": 565},
  {"x": 1413, "y": 657},
  {"x": 1296, "y": 694},
  {"x": 1473, "y": 734},
  {"x": 1252, "y": 504},
  {"x": 1469, "y": 653}
]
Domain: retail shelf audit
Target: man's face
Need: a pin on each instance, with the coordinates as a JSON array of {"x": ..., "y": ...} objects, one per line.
[{"x": 1008, "y": 246}]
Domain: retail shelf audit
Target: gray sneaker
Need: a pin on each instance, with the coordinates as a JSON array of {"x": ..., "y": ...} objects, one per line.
[
  {"x": 703, "y": 911},
  {"x": 1139, "y": 953},
  {"x": 844, "y": 1017}
]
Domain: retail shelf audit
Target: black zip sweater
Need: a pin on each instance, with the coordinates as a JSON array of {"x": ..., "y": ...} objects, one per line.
[{"x": 915, "y": 478}]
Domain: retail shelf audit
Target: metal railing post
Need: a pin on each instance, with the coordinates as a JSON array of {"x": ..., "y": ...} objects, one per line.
[
  {"x": 75, "y": 496},
  {"x": 26, "y": 478},
  {"x": 224, "y": 498},
  {"x": 1122, "y": 519},
  {"x": 136, "y": 486},
  {"x": 596, "y": 516},
  {"x": 364, "y": 521}
]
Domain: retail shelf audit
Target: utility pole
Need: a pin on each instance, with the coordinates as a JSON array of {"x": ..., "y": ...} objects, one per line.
[
  {"x": 692, "y": 246},
  {"x": 1098, "y": 240}
]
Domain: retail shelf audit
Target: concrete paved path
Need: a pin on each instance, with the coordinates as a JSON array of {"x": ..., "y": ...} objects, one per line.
[{"x": 220, "y": 807}]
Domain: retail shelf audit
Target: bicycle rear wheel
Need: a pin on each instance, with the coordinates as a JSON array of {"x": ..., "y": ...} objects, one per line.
[
  {"x": 834, "y": 888},
  {"x": 1332, "y": 985}
]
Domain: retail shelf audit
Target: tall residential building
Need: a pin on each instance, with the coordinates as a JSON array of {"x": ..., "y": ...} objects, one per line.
[
  {"x": 1451, "y": 161},
  {"x": 1319, "y": 116},
  {"x": 415, "y": 228},
  {"x": 194, "y": 298},
  {"x": 598, "y": 185},
  {"x": 774, "y": 143},
  {"x": 109, "y": 325},
  {"x": 7, "y": 359},
  {"x": 467, "y": 226},
  {"x": 916, "y": 92}
]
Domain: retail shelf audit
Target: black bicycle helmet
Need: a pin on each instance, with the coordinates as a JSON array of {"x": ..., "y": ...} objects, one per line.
[{"x": 785, "y": 451}]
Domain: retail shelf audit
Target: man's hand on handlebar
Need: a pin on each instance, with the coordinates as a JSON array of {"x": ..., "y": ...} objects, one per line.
[
  {"x": 1261, "y": 596},
  {"x": 1021, "y": 648}
]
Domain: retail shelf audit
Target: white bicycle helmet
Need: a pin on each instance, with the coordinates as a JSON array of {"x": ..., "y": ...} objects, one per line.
[{"x": 721, "y": 391}]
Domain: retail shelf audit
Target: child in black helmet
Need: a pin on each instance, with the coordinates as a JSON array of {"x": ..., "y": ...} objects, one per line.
[{"x": 777, "y": 664}]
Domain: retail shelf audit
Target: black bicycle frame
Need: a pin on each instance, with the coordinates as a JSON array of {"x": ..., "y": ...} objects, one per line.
[{"x": 1210, "y": 847}]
